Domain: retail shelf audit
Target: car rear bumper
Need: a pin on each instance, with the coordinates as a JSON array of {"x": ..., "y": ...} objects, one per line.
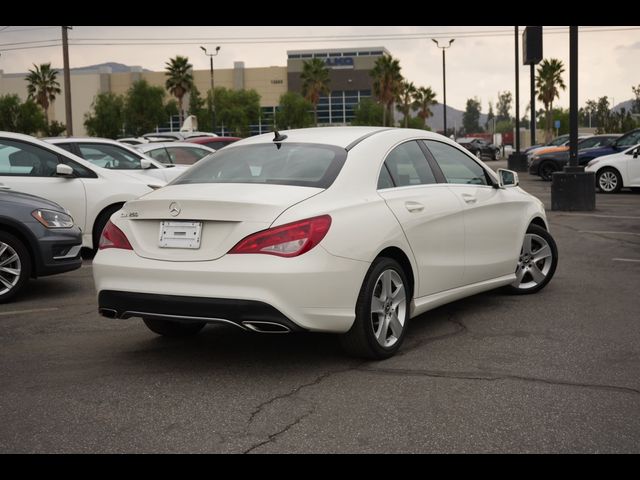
[{"x": 316, "y": 291}]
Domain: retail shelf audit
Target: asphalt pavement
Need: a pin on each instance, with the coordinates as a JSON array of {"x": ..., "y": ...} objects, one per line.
[{"x": 558, "y": 371}]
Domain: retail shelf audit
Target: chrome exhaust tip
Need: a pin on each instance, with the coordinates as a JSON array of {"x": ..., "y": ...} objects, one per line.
[
  {"x": 266, "y": 327},
  {"x": 108, "y": 312}
]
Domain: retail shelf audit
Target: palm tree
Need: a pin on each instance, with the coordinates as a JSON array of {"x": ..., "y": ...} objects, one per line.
[
  {"x": 424, "y": 98},
  {"x": 548, "y": 82},
  {"x": 43, "y": 86},
  {"x": 180, "y": 79},
  {"x": 315, "y": 82},
  {"x": 386, "y": 83},
  {"x": 405, "y": 99}
]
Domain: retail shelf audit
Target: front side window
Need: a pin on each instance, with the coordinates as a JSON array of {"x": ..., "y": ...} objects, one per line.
[
  {"x": 26, "y": 160},
  {"x": 408, "y": 166},
  {"x": 302, "y": 164},
  {"x": 632, "y": 138},
  {"x": 455, "y": 165},
  {"x": 161, "y": 155}
]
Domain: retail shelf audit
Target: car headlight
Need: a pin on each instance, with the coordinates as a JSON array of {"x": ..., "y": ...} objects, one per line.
[{"x": 53, "y": 219}]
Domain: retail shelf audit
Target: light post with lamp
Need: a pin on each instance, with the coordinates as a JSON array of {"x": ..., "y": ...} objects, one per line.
[
  {"x": 444, "y": 81},
  {"x": 212, "y": 106}
]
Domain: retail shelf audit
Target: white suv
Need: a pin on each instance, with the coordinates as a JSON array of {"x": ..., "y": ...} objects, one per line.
[{"x": 92, "y": 194}]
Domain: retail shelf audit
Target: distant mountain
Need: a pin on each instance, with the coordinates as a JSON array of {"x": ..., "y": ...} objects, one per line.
[
  {"x": 115, "y": 68},
  {"x": 626, "y": 105},
  {"x": 454, "y": 118}
]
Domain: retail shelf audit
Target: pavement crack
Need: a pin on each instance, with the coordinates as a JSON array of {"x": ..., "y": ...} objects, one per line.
[
  {"x": 461, "y": 328},
  {"x": 496, "y": 377},
  {"x": 275, "y": 435}
]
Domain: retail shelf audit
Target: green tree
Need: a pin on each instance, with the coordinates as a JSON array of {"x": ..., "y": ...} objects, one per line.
[
  {"x": 503, "y": 106},
  {"x": 237, "y": 109},
  {"x": 386, "y": 84},
  {"x": 295, "y": 111},
  {"x": 418, "y": 124},
  {"x": 504, "y": 126},
  {"x": 179, "y": 80},
  {"x": 489, "y": 125},
  {"x": 197, "y": 108},
  {"x": 424, "y": 99},
  {"x": 144, "y": 108},
  {"x": 635, "y": 108},
  {"x": 405, "y": 100},
  {"x": 106, "y": 117},
  {"x": 315, "y": 83},
  {"x": 471, "y": 116},
  {"x": 368, "y": 113},
  {"x": 43, "y": 86},
  {"x": 20, "y": 117},
  {"x": 55, "y": 129},
  {"x": 548, "y": 83}
]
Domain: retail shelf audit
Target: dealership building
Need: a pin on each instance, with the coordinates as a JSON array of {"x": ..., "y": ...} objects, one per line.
[{"x": 349, "y": 70}]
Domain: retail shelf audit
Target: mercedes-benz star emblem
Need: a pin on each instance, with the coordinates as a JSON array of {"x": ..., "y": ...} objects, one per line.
[{"x": 174, "y": 209}]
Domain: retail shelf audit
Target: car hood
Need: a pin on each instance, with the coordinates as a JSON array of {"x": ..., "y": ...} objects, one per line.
[{"x": 27, "y": 200}]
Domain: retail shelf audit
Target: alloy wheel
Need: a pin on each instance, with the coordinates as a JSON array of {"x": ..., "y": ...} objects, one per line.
[
  {"x": 10, "y": 268},
  {"x": 534, "y": 264},
  {"x": 608, "y": 181},
  {"x": 388, "y": 308}
]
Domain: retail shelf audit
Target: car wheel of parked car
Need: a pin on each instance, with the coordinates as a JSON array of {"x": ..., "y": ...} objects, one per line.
[
  {"x": 609, "y": 180},
  {"x": 15, "y": 266},
  {"x": 546, "y": 171},
  {"x": 167, "y": 328},
  {"x": 496, "y": 154},
  {"x": 382, "y": 312},
  {"x": 537, "y": 262}
]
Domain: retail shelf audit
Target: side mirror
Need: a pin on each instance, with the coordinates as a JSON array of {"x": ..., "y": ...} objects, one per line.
[
  {"x": 507, "y": 178},
  {"x": 145, "y": 164},
  {"x": 64, "y": 170},
  {"x": 636, "y": 152}
]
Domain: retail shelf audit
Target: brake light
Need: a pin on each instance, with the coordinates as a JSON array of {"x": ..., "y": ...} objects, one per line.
[
  {"x": 113, "y": 237},
  {"x": 288, "y": 240}
]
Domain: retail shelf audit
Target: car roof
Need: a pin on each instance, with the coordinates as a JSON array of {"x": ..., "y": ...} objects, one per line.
[
  {"x": 207, "y": 139},
  {"x": 153, "y": 145},
  {"x": 80, "y": 139}
]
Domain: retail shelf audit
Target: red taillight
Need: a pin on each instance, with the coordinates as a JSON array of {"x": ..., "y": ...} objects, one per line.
[
  {"x": 288, "y": 240},
  {"x": 112, "y": 237}
]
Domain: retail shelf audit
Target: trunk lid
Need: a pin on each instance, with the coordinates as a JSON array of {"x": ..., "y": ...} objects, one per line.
[{"x": 228, "y": 212}]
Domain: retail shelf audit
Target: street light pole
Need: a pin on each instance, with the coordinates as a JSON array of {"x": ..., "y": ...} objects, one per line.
[
  {"x": 444, "y": 81},
  {"x": 67, "y": 82},
  {"x": 212, "y": 106}
]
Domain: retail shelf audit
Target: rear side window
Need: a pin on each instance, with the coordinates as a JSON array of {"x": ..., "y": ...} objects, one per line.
[
  {"x": 455, "y": 165},
  {"x": 407, "y": 165},
  {"x": 302, "y": 164}
]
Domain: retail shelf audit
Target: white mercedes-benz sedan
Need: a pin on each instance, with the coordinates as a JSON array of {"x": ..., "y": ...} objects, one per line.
[
  {"x": 350, "y": 230},
  {"x": 613, "y": 172}
]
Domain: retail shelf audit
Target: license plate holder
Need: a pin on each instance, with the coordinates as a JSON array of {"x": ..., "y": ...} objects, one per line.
[{"x": 180, "y": 234}]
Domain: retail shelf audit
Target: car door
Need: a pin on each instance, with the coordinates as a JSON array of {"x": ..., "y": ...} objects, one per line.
[
  {"x": 492, "y": 219},
  {"x": 29, "y": 168},
  {"x": 430, "y": 215},
  {"x": 633, "y": 168}
]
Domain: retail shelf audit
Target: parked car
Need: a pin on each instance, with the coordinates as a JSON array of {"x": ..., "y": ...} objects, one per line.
[
  {"x": 562, "y": 148},
  {"x": 176, "y": 136},
  {"x": 132, "y": 140},
  {"x": 216, "y": 143},
  {"x": 616, "y": 171},
  {"x": 559, "y": 141},
  {"x": 113, "y": 155},
  {"x": 350, "y": 230},
  {"x": 89, "y": 192},
  {"x": 546, "y": 161},
  {"x": 480, "y": 148},
  {"x": 37, "y": 238},
  {"x": 175, "y": 153},
  {"x": 627, "y": 140}
]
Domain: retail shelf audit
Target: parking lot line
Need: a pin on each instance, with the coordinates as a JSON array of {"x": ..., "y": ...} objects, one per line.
[
  {"x": 634, "y": 260},
  {"x": 609, "y": 233},
  {"x": 594, "y": 215},
  {"x": 33, "y": 310}
]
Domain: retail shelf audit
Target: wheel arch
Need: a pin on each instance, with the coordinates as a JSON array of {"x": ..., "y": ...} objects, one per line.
[
  {"x": 94, "y": 233},
  {"x": 402, "y": 258},
  {"x": 540, "y": 222},
  {"x": 21, "y": 233}
]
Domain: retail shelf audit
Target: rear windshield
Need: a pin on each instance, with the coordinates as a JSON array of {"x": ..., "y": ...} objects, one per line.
[{"x": 302, "y": 164}]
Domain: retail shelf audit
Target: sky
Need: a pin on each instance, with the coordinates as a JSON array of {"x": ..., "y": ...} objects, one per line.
[{"x": 480, "y": 62}]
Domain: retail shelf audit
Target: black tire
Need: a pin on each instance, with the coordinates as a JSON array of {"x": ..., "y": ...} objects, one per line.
[
  {"x": 360, "y": 341},
  {"x": 24, "y": 260},
  {"x": 167, "y": 328},
  {"x": 100, "y": 222},
  {"x": 550, "y": 269},
  {"x": 613, "y": 175},
  {"x": 546, "y": 170}
]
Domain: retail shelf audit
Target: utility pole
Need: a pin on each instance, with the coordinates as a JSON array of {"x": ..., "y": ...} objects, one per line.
[
  {"x": 67, "y": 81},
  {"x": 212, "y": 106},
  {"x": 444, "y": 81}
]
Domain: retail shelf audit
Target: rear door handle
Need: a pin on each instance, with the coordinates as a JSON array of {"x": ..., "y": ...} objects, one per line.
[
  {"x": 469, "y": 198},
  {"x": 414, "y": 206}
]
